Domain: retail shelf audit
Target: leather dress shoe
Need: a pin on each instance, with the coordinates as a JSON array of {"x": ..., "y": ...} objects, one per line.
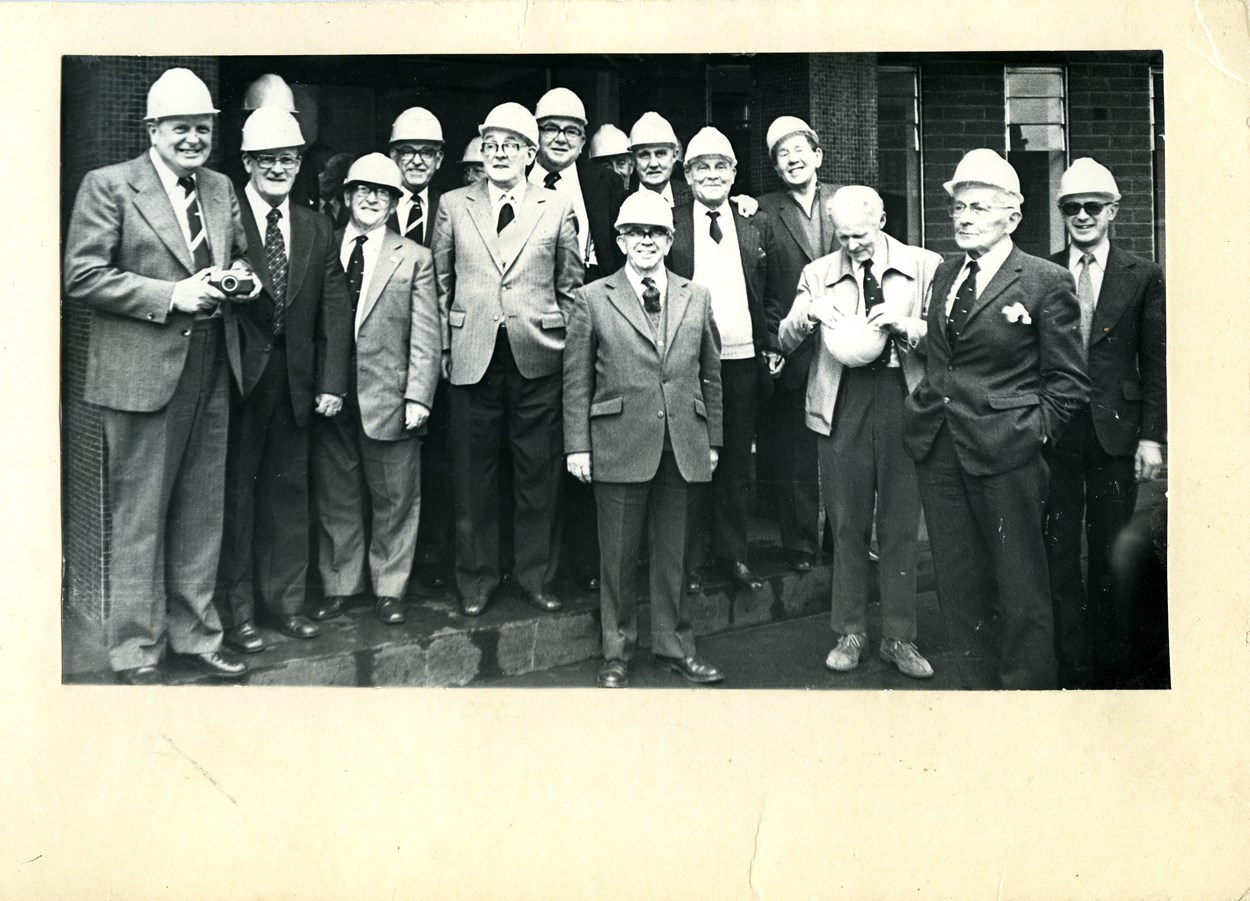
[
  {"x": 474, "y": 606},
  {"x": 330, "y": 606},
  {"x": 692, "y": 668},
  {"x": 694, "y": 582},
  {"x": 548, "y": 603},
  {"x": 217, "y": 664},
  {"x": 141, "y": 675},
  {"x": 390, "y": 611},
  {"x": 244, "y": 638},
  {"x": 613, "y": 674},
  {"x": 741, "y": 573},
  {"x": 800, "y": 563},
  {"x": 297, "y": 626}
]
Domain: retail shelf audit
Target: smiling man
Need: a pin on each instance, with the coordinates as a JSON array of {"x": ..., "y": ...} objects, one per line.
[{"x": 655, "y": 149}]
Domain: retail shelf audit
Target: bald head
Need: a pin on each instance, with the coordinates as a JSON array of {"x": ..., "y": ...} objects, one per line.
[{"x": 858, "y": 216}]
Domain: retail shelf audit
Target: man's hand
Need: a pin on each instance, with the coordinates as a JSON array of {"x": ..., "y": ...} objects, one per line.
[
  {"x": 328, "y": 405},
  {"x": 747, "y": 205},
  {"x": 1148, "y": 460},
  {"x": 444, "y": 365},
  {"x": 195, "y": 294},
  {"x": 775, "y": 362},
  {"x": 415, "y": 414},
  {"x": 242, "y": 266},
  {"x": 579, "y": 466},
  {"x": 713, "y": 457},
  {"x": 886, "y": 319}
]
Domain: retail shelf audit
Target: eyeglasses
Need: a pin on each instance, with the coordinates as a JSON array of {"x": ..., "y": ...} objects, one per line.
[
  {"x": 640, "y": 233},
  {"x": 363, "y": 191},
  {"x": 407, "y": 152},
  {"x": 1091, "y": 207},
  {"x": 570, "y": 132},
  {"x": 510, "y": 148},
  {"x": 976, "y": 210},
  {"x": 267, "y": 160}
]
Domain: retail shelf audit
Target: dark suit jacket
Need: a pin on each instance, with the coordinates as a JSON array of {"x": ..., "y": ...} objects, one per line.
[
  {"x": 791, "y": 252},
  {"x": 603, "y": 193},
  {"x": 616, "y": 379},
  {"x": 123, "y": 254},
  {"x": 682, "y": 193},
  {"x": 1006, "y": 386},
  {"x": 317, "y": 319},
  {"x": 1127, "y": 354},
  {"x": 430, "y": 215}
]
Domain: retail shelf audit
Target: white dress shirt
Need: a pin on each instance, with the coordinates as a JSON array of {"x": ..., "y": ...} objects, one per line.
[
  {"x": 718, "y": 267},
  {"x": 513, "y": 195},
  {"x": 372, "y": 250},
  {"x": 660, "y": 277},
  {"x": 260, "y": 210},
  {"x": 988, "y": 265},
  {"x": 177, "y": 196},
  {"x": 666, "y": 192},
  {"x": 405, "y": 204},
  {"x": 1096, "y": 270}
]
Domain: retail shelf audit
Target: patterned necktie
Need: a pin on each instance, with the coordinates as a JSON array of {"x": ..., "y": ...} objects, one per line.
[
  {"x": 275, "y": 259},
  {"x": 506, "y": 215},
  {"x": 964, "y": 299},
  {"x": 550, "y": 179},
  {"x": 195, "y": 223},
  {"x": 415, "y": 228},
  {"x": 872, "y": 297},
  {"x": 1085, "y": 295},
  {"x": 356, "y": 271},
  {"x": 650, "y": 296},
  {"x": 714, "y": 230}
]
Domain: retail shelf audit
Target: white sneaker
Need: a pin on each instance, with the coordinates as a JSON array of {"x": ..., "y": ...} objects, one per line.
[
  {"x": 846, "y": 653},
  {"x": 904, "y": 655}
]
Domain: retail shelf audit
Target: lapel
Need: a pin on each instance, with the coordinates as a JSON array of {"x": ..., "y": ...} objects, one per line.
[
  {"x": 256, "y": 245},
  {"x": 153, "y": 205},
  {"x": 513, "y": 239},
  {"x": 826, "y": 222},
  {"x": 748, "y": 244},
  {"x": 621, "y": 295},
  {"x": 1006, "y": 275},
  {"x": 681, "y": 254},
  {"x": 939, "y": 288},
  {"x": 840, "y": 267},
  {"x": 791, "y": 218},
  {"x": 480, "y": 212},
  {"x": 388, "y": 262},
  {"x": 299, "y": 253},
  {"x": 1118, "y": 288},
  {"x": 676, "y": 301}
]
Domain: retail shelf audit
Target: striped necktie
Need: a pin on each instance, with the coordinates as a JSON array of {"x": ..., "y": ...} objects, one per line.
[
  {"x": 414, "y": 228},
  {"x": 195, "y": 225}
]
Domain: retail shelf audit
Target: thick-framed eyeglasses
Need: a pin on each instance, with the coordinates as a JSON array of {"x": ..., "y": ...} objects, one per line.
[
  {"x": 267, "y": 160},
  {"x": 363, "y": 191},
  {"x": 976, "y": 210},
  {"x": 570, "y": 132},
  {"x": 638, "y": 233},
  {"x": 1091, "y": 207},
  {"x": 510, "y": 148},
  {"x": 406, "y": 152}
]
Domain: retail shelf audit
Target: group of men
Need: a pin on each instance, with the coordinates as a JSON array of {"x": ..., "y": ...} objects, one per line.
[{"x": 561, "y": 350}]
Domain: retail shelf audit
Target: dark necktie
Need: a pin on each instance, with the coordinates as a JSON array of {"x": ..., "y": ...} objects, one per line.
[
  {"x": 550, "y": 179},
  {"x": 650, "y": 296},
  {"x": 275, "y": 259},
  {"x": 714, "y": 230},
  {"x": 414, "y": 230},
  {"x": 964, "y": 299},
  {"x": 195, "y": 225},
  {"x": 872, "y": 297},
  {"x": 356, "y": 273},
  {"x": 1085, "y": 295},
  {"x": 506, "y": 215}
]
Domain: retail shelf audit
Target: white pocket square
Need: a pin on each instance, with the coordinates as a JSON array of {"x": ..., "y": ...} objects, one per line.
[{"x": 1017, "y": 313}]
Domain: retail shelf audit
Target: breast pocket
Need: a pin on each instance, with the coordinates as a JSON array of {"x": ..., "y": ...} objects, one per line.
[
  {"x": 552, "y": 320},
  {"x": 456, "y": 318}
]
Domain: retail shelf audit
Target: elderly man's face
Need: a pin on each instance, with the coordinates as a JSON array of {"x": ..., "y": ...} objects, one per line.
[
  {"x": 417, "y": 162},
  {"x": 981, "y": 219},
  {"x": 654, "y": 163},
  {"x": 858, "y": 229},
  {"x": 507, "y": 155},
  {"x": 473, "y": 173},
  {"x": 1087, "y": 228},
  {"x": 797, "y": 161},
  {"x": 621, "y": 165},
  {"x": 560, "y": 142},
  {"x": 273, "y": 172},
  {"x": 183, "y": 142},
  {"x": 370, "y": 204},
  {"x": 711, "y": 178},
  {"x": 645, "y": 246}
]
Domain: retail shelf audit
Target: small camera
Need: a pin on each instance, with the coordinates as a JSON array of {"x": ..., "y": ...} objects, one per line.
[{"x": 233, "y": 284}]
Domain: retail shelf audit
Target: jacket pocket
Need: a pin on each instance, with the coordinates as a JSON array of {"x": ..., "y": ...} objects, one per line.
[
  {"x": 1131, "y": 390},
  {"x": 456, "y": 318},
  {"x": 552, "y": 320},
  {"x": 608, "y": 406},
  {"x": 1011, "y": 401},
  {"x": 699, "y": 407}
]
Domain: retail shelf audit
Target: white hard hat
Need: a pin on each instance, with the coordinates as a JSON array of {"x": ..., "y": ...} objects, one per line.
[
  {"x": 709, "y": 142},
  {"x": 269, "y": 90},
  {"x": 514, "y": 118},
  {"x": 609, "y": 141},
  {"x": 783, "y": 127},
  {"x": 375, "y": 169},
  {"x": 652, "y": 128},
  {"x": 645, "y": 208},
  {"x": 178, "y": 92},
  {"x": 560, "y": 102},
  {"x": 416, "y": 124},
  {"x": 473, "y": 152},
  {"x": 271, "y": 127},
  {"x": 985, "y": 167},
  {"x": 1087, "y": 176},
  {"x": 853, "y": 342}
]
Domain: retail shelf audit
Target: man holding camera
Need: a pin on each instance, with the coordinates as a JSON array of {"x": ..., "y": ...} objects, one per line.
[{"x": 146, "y": 239}]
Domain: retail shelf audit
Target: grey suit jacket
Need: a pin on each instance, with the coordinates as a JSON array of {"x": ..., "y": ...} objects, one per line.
[
  {"x": 623, "y": 386},
  {"x": 123, "y": 254},
  {"x": 524, "y": 277}
]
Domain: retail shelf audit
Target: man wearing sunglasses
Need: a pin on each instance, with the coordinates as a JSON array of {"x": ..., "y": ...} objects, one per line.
[{"x": 1114, "y": 441}]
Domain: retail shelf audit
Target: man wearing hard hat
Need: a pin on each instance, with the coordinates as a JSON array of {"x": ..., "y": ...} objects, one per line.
[
  {"x": 641, "y": 344},
  {"x": 507, "y": 261},
  {"x": 1004, "y": 371},
  {"x": 472, "y": 166},
  {"x": 864, "y": 305},
  {"x": 272, "y": 90},
  {"x": 785, "y": 447},
  {"x": 295, "y": 350},
  {"x": 715, "y": 246},
  {"x": 416, "y": 147},
  {"x": 147, "y": 239},
  {"x": 1114, "y": 441},
  {"x": 609, "y": 147},
  {"x": 656, "y": 150},
  {"x": 367, "y": 460}
]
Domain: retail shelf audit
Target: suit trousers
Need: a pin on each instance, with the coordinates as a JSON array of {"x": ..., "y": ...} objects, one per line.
[
  {"x": 864, "y": 462},
  {"x": 166, "y": 484},
  {"x": 1086, "y": 484},
  {"x": 365, "y": 487},
  {"x": 624, "y": 511},
  {"x": 264, "y": 552},
  {"x": 726, "y": 499},
  {"x": 989, "y": 561},
  {"x": 438, "y": 525},
  {"x": 505, "y": 406},
  {"x": 786, "y": 468}
]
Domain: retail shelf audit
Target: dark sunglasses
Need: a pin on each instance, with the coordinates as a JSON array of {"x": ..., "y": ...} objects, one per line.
[{"x": 1091, "y": 207}]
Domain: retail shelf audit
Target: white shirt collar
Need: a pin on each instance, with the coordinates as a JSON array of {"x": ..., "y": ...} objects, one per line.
[
  {"x": 351, "y": 231},
  {"x": 261, "y": 207},
  {"x": 1100, "y": 254},
  {"x": 991, "y": 261},
  {"x": 497, "y": 194},
  {"x": 169, "y": 179},
  {"x": 568, "y": 175},
  {"x": 666, "y": 192},
  {"x": 635, "y": 280}
]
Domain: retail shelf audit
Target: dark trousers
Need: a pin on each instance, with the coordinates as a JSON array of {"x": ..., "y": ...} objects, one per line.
[
  {"x": 265, "y": 546},
  {"x": 989, "y": 560},
  {"x": 581, "y": 533},
  {"x": 625, "y": 510},
  {"x": 436, "y": 535},
  {"x": 166, "y": 483},
  {"x": 507, "y": 407},
  {"x": 719, "y": 510},
  {"x": 861, "y": 463},
  {"x": 786, "y": 468},
  {"x": 1086, "y": 485}
]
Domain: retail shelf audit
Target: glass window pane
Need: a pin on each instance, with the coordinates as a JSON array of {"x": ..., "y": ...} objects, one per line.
[
  {"x": 1036, "y": 111},
  {"x": 895, "y": 135},
  {"x": 1034, "y": 84},
  {"x": 1036, "y": 137},
  {"x": 893, "y": 83},
  {"x": 896, "y": 109}
]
